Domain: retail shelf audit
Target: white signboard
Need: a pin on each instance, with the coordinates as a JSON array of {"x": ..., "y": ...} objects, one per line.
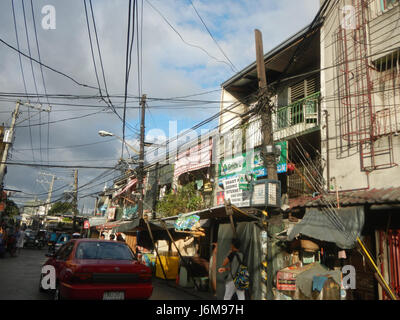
[
  {"x": 272, "y": 200},
  {"x": 258, "y": 196},
  {"x": 239, "y": 198}
]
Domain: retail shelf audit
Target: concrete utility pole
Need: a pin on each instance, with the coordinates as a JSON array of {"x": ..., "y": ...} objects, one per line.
[
  {"x": 140, "y": 173},
  {"x": 75, "y": 200},
  {"x": 268, "y": 147},
  {"x": 51, "y": 185},
  {"x": 9, "y": 138},
  {"x": 8, "y": 144}
]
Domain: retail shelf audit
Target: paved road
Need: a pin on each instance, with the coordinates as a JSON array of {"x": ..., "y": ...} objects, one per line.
[{"x": 19, "y": 280}]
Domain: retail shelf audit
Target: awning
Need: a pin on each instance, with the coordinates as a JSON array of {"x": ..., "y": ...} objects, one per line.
[
  {"x": 126, "y": 226},
  {"x": 129, "y": 185},
  {"x": 340, "y": 226}
]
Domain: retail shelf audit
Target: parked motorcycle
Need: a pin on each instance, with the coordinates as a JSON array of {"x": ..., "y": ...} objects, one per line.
[{"x": 31, "y": 241}]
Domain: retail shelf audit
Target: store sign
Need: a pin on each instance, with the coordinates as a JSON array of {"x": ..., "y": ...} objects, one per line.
[
  {"x": 220, "y": 198},
  {"x": 111, "y": 213},
  {"x": 186, "y": 223},
  {"x": 86, "y": 224},
  {"x": 251, "y": 163},
  {"x": 234, "y": 193}
]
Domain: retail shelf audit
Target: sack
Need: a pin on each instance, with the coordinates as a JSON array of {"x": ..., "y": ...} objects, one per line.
[{"x": 242, "y": 276}]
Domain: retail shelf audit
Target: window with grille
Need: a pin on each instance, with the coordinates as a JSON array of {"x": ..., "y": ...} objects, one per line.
[{"x": 300, "y": 91}]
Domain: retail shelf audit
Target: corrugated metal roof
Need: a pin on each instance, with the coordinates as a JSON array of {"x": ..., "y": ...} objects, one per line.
[{"x": 372, "y": 196}]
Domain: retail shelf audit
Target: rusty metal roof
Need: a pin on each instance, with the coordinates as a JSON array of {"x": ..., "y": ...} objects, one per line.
[{"x": 362, "y": 197}]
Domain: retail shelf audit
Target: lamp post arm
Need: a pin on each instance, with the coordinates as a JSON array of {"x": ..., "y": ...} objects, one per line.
[{"x": 130, "y": 147}]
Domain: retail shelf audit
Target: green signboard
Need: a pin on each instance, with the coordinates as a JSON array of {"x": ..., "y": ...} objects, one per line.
[{"x": 251, "y": 163}]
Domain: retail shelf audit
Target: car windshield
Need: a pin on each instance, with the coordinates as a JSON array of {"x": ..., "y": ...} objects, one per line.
[{"x": 103, "y": 251}]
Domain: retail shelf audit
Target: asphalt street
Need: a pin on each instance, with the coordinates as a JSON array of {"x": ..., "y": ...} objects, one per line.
[{"x": 19, "y": 280}]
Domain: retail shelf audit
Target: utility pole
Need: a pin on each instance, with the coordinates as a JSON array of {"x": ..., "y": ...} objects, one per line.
[
  {"x": 8, "y": 144},
  {"x": 51, "y": 185},
  {"x": 268, "y": 147},
  {"x": 8, "y": 139},
  {"x": 141, "y": 156},
  {"x": 75, "y": 199}
]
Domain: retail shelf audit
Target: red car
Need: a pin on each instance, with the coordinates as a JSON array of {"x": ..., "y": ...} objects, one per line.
[{"x": 99, "y": 269}]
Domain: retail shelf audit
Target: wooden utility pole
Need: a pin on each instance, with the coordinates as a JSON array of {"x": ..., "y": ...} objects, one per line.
[
  {"x": 140, "y": 173},
  {"x": 7, "y": 146},
  {"x": 268, "y": 146},
  {"x": 75, "y": 200}
]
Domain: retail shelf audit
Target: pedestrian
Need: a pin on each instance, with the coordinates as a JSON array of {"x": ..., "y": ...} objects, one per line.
[
  {"x": 102, "y": 236},
  {"x": 76, "y": 235},
  {"x": 234, "y": 259},
  {"x": 120, "y": 238},
  {"x": 112, "y": 237},
  {"x": 20, "y": 240},
  {"x": 11, "y": 241},
  {"x": 2, "y": 242}
]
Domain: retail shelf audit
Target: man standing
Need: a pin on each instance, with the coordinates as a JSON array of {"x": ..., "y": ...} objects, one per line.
[
  {"x": 233, "y": 259},
  {"x": 20, "y": 240}
]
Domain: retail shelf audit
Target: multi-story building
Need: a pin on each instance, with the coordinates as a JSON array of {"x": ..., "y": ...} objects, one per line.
[
  {"x": 336, "y": 103},
  {"x": 360, "y": 86}
]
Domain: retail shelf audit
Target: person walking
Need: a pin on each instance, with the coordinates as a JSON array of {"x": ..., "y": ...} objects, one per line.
[
  {"x": 234, "y": 259},
  {"x": 20, "y": 240},
  {"x": 11, "y": 241},
  {"x": 120, "y": 237}
]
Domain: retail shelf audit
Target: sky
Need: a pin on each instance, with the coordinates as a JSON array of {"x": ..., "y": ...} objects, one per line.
[{"x": 173, "y": 56}]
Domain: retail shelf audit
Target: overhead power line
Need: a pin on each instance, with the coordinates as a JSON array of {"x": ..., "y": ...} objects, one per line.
[
  {"x": 52, "y": 166},
  {"x": 209, "y": 32},
  {"x": 184, "y": 41}
]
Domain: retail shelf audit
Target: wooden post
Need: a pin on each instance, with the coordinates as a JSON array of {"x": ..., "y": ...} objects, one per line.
[
  {"x": 268, "y": 156},
  {"x": 229, "y": 213},
  {"x": 145, "y": 218},
  {"x": 176, "y": 247}
]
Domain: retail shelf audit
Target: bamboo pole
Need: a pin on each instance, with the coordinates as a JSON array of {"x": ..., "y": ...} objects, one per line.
[
  {"x": 155, "y": 247},
  {"x": 180, "y": 255},
  {"x": 383, "y": 281}
]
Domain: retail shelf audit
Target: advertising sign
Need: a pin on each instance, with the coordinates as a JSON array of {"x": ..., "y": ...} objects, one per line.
[
  {"x": 86, "y": 224},
  {"x": 251, "y": 163},
  {"x": 233, "y": 192},
  {"x": 195, "y": 158},
  {"x": 186, "y": 223}
]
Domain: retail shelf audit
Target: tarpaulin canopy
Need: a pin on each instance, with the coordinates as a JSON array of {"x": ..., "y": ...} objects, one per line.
[
  {"x": 340, "y": 226},
  {"x": 249, "y": 234},
  {"x": 126, "y": 226}
]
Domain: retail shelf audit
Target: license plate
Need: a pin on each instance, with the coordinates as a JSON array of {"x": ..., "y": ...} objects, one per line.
[{"x": 114, "y": 295}]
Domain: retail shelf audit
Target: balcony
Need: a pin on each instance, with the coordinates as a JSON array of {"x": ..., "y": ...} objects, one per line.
[{"x": 298, "y": 118}]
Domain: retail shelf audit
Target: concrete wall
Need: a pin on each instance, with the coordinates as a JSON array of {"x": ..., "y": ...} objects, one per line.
[{"x": 344, "y": 158}]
